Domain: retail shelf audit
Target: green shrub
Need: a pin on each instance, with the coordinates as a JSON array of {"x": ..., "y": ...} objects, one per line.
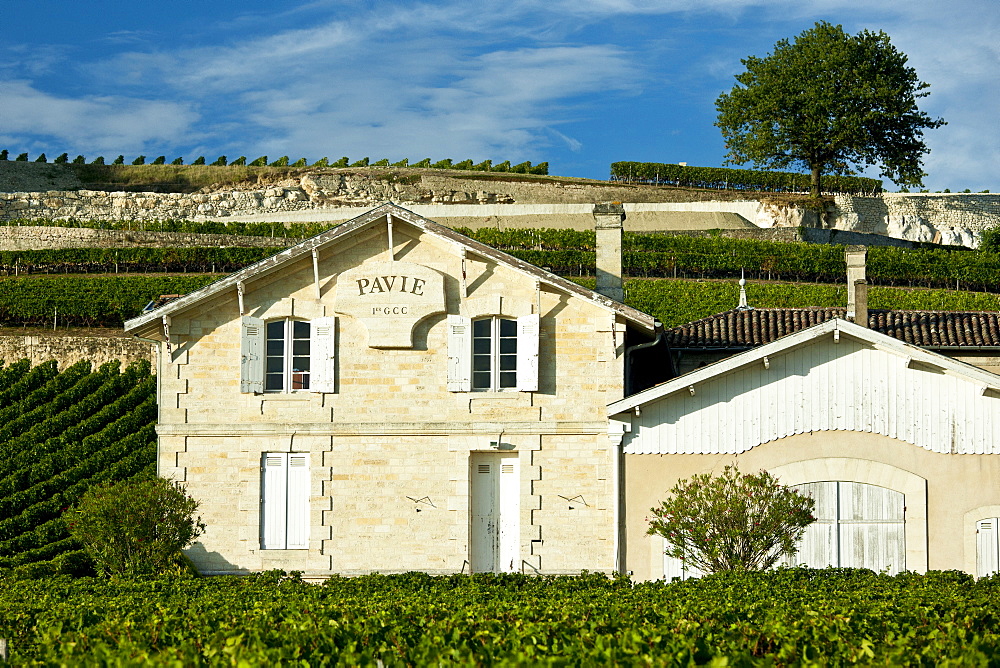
[
  {"x": 41, "y": 158},
  {"x": 442, "y": 164},
  {"x": 200, "y": 160},
  {"x": 363, "y": 162},
  {"x": 135, "y": 527},
  {"x": 341, "y": 163},
  {"x": 62, "y": 159},
  {"x": 23, "y": 157},
  {"x": 3, "y": 154},
  {"x": 79, "y": 160},
  {"x": 160, "y": 160},
  {"x": 259, "y": 162},
  {"x": 425, "y": 163},
  {"x": 465, "y": 164},
  {"x": 280, "y": 162},
  {"x": 242, "y": 160},
  {"x": 141, "y": 160},
  {"x": 502, "y": 166},
  {"x": 99, "y": 160},
  {"x": 384, "y": 162},
  {"x": 220, "y": 161},
  {"x": 120, "y": 160},
  {"x": 405, "y": 162},
  {"x": 301, "y": 162},
  {"x": 177, "y": 161},
  {"x": 731, "y": 522}
]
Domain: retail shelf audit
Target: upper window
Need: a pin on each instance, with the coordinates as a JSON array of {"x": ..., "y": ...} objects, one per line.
[
  {"x": 287, "y": 355},
  {"x": 494, "y": 354},
  {"x": 287, "y": 349}
]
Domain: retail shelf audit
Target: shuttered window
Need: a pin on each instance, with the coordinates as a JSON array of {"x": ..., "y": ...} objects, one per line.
[
  {"x": 287, "y": 355},
  {"x": 284, "y": 512},
  {"x": 493, "y": 354}
]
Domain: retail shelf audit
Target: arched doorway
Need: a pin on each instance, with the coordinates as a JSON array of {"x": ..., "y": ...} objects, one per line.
[{"x": 857, "y": 525}]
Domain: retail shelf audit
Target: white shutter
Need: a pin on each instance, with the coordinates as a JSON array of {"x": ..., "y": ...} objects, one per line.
[
  {"x": 675, "y": 569},
  {"x": 527, "y": 353},
  {"x": 987, "y": 547},
  {"x": 297, "y": 513},
  {"x": 459, "y": 353},
  {"x": 322, "y": 352},
  {"x": 251, "y": 354},
  {"x": 274, "y": 496}
]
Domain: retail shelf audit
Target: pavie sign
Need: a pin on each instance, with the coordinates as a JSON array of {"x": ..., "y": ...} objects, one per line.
[{"x": 390, "y": 298}]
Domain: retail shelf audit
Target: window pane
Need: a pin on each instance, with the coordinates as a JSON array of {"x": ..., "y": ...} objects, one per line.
[
  {"x": 300, "y": 348},
  {"x": 481, "y": 346},
  {"x": 481, "y": 380},
  {"x": 508, "y": 379},
  {"x": 480, "y": 362},
  {"x": 481, "y": 328},
  {"x": 275, "y": 364},
  {"x": 274, "y": 381},
  {"x": 300, "y": 381},
  {"x": 508, "y": 362},
  {"x": 275, "y": 348},
  {"x": 300, "y": 364},
  {"x": 508, "y": 327},
  {"x": 508, "y": 346},
  {"x": 276, "y": 330},
  {"x": 300, "y": 330}
]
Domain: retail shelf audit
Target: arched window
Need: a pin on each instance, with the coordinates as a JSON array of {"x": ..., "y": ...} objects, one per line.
[{"x": 857, "y": 525}]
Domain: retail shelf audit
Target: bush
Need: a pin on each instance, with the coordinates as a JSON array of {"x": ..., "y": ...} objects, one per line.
[
  {"x": 120, "y": 160},
  {"x": 41, "y": 158},
  {"x": 259, "y": 162},
  {"x": 301, "y": 162},
  {"x": 135, "y": 527},
  {"x": 4, "y": 154},
  {"x": 242, "y": 160},
  {"x": 141, "y": 160},
  {"x": 177, "y": 161},
  {"x": 62, "y": 159},
  {"x": 79, "y": 160},
  {"x": 99, "y": 160},
  {"x": 280, "y": 162},
  {"x": 731, "y": 522},
  {"x": 220, "y": 161},
  {"x": 200, "y": 160},
  {"x": 363, "y": 162},
  {"x": 160, "y": 160},
  {"x": 22, "y": 157},
  {"x": 341, "y": 163}
]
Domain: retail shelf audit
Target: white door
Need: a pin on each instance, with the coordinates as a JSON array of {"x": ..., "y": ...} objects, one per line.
[
  {"x": 987, "y": 547},
  {"x": 857, "y": 526},
  {"x": 494, "y": 532}
]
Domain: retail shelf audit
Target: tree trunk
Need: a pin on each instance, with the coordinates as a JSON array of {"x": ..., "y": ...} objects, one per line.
[{"x": 814, "y": 190}]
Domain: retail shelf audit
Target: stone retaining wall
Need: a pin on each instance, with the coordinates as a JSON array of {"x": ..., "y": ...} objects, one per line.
[
  {"x": 68, "y": 350},
  {"x": 956, "y": 219},
  {"x": 37, "y": 237}
]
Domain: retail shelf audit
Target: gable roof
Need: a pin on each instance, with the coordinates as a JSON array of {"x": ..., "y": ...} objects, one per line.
[
  {"x": 834, "y": 327},
  {"x": 397, "y": 213},
  {"x": 748, "y": 328}
]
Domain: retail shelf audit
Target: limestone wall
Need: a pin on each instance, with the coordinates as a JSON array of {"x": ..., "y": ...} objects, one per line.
[
  {"x": 954, "y": 218},
  {"x": 68, "y": 350}
]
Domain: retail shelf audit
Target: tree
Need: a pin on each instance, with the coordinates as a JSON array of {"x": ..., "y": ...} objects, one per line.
[
  {"x": 830, "y": 102},
  {"x": 135, "y": 527},
  {"x": 731, "y": 522}
]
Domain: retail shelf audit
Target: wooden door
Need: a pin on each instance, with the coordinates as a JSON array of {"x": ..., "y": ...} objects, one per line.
[{"x": 495, "y": 506}]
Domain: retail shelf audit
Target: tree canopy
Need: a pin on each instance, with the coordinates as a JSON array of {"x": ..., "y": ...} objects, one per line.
[{"x": 830, "y": 102}]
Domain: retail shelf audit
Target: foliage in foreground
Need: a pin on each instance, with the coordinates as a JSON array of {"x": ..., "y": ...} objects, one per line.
[
  {"x": 135, "y": 527},
  {"x": 60, "y": 434},
  {"x": 785, "y": 617},
  {"x": 731, "y": 521}
]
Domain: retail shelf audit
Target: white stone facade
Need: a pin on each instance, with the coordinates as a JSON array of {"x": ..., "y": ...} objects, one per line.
[{"x": 391, "y": 441}]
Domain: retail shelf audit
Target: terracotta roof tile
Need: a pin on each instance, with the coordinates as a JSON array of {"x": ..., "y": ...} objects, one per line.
[{"x": 754, "y": 327}]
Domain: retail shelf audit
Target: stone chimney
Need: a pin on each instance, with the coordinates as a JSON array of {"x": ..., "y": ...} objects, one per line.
[
  {"x": 857, "y": 286},
  {"x": 608, "y": 219}
]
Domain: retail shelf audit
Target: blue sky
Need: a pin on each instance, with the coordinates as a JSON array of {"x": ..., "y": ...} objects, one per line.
[{"x": 577, "y": 83}]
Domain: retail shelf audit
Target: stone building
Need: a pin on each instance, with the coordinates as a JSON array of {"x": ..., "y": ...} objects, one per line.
[
  {"x": 892, "y": 427},
  {"x": 390, "y": 396}
]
